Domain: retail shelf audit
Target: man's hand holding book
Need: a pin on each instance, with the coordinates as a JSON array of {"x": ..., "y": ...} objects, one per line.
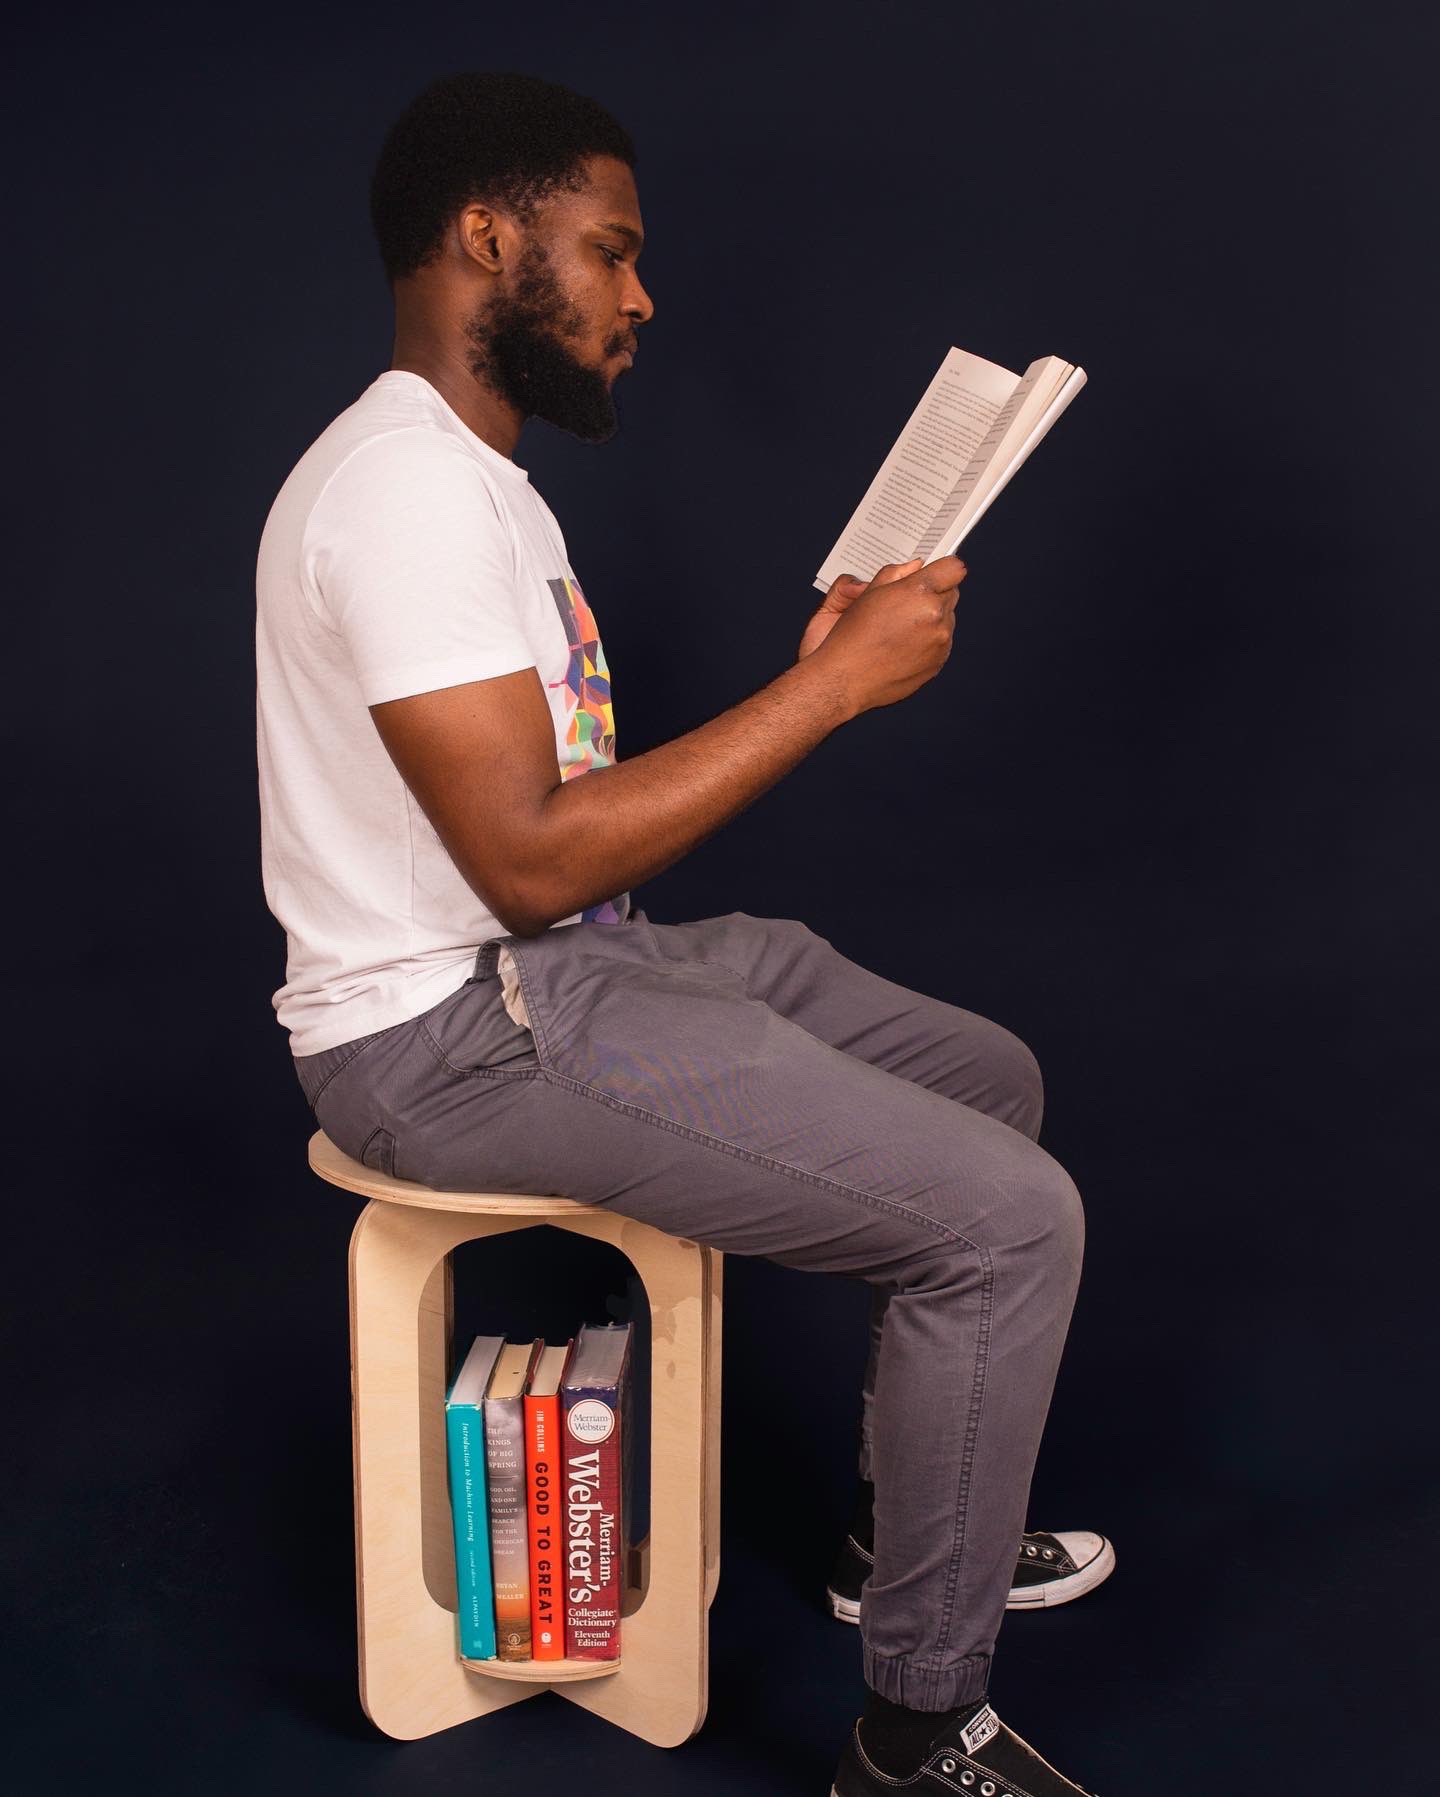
[{"x": 882, "y": 640}]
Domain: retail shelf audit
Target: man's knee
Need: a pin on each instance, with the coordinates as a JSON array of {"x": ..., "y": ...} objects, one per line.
[
  {"x": 1016, "y": 1083},
  {"x": 1034, "y": 1219},
  {"x": 1064, "y": 1215},
  {"x": 1049, "y": 1236}
]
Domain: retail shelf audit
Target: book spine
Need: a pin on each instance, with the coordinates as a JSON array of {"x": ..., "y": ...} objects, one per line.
[
  {"x": 509, "y": 1549},
  {"x": 542, "y": 1482},
  {"x": 464, "y": 1442},
  {"x": 594, "y": 1539}
]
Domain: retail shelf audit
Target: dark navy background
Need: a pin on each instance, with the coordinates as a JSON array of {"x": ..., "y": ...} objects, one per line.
[{"x": 1167, "y": 813}]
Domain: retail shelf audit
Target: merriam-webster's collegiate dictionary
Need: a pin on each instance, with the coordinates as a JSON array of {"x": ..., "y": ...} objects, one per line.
[{"x": 595, "y": 1403}]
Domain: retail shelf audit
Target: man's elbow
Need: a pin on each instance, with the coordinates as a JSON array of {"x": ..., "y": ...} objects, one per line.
[
  {"x": 522, "y": 907},
  {"x": 525, "y": 923},
  {"x": 514, "y": 874},
  {"x": 514, "y": 916}
]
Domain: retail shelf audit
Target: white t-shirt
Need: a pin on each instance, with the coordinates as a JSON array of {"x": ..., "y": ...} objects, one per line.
[{"x": 403, "y": 554}]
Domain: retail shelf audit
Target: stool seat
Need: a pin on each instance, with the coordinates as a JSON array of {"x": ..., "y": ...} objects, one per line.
[
  {"x": 413, "y": 1680},
  {"x": 341, "y": 1169}
]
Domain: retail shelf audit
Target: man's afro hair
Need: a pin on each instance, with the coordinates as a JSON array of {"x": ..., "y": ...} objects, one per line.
[{"x": 508, "y": 138}]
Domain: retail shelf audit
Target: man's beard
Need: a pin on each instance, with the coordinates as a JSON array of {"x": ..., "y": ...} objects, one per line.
[{"x": 518, "y": 351}]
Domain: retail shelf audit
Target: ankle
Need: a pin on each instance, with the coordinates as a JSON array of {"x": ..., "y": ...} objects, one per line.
[{"x": 895, "y": 1737}]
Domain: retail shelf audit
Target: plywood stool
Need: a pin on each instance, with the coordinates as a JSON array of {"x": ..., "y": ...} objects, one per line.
[{"x": 412, "y": 1679}]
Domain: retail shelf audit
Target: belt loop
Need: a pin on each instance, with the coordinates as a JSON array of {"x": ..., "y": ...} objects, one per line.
[{"x": 487, "y": 958}]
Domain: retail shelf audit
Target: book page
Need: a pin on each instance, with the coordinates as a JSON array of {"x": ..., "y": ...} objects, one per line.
[
  {"x": 1069, "y": 388},
  {"x": 919, "y": 476},
  {"x": 995, "y": 458}
]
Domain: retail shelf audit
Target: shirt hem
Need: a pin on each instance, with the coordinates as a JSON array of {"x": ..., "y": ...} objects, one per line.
[
  {"x": 431, "y": 676},
  {"x": 350, "y": 1023}
]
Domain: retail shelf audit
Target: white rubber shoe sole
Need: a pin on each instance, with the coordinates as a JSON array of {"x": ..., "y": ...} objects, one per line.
[{"x": 1094, "y": 1560}]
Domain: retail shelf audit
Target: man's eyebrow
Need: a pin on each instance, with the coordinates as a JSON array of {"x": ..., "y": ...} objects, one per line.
[{"x": 633, "y": 237}]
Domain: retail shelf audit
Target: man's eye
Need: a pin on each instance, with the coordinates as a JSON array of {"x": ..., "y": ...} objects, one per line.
[{"x": 614, "y": 255}]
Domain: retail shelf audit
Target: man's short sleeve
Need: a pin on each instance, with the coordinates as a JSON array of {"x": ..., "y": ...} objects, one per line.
[{"x": 414, "y": 565}]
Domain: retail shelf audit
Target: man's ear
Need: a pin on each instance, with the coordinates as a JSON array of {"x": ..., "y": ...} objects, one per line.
[{"x": 483, "y": 237}]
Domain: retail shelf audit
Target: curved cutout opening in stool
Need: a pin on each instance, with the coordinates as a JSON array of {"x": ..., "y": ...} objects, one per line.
[{"x": 571, "y": 1267}]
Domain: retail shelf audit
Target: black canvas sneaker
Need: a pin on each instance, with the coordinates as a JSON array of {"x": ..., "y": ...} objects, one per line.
[
  {"x": 978, "y": 1758},
  {"x": 1052, "y": 1569}
]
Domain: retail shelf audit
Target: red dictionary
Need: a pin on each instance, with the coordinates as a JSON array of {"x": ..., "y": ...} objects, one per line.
[
  {"x": 594, "y": 1400},
  {"x": 544, "y": 1476}
]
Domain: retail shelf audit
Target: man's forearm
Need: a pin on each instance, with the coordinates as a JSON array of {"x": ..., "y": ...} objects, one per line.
[{"x": 615, "y": 827}]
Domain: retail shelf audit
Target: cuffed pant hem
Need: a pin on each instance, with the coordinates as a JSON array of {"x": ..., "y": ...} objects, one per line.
[{"x": 921, "y": 1687}]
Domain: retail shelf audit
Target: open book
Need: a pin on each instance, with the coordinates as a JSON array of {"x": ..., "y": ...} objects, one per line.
[{"x": 975, "y": 424}]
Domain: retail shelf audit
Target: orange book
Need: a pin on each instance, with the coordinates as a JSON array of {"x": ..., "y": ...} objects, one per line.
[{"x": 544, "y": 1483}]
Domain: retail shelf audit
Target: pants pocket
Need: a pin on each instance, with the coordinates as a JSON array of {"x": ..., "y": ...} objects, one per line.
[
  {"x": 472, "y": 1032},
  {"x": 379, "y": 1152}
]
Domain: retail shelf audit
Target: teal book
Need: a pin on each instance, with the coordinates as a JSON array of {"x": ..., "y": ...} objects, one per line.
[{"x": 469, "y": 1506}]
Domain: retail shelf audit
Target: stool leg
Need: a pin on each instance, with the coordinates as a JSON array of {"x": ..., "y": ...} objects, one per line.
[
  {"x": 412, "y": 1681},
  {"x": 662, "y": 1688},
  {"x": 713, "y": 1359}
]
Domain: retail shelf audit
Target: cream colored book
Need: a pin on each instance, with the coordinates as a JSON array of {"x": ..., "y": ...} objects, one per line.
[
  {"x": 975, "y": 424},
  {"x": 504, "y": 1411}
]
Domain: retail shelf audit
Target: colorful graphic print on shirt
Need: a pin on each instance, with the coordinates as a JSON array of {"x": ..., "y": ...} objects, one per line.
[
  {"x": 590, "y": 741},
  {"x": 590, "y": 738}
]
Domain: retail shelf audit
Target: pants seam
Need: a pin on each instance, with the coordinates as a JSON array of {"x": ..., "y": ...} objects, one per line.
[
  {"x": 768, "y": 1162},
  {"x": 972, "y": 1436}
]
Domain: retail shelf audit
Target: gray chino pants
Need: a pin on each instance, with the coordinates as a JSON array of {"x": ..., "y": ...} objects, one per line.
[{"x": 737, "y": 1081}]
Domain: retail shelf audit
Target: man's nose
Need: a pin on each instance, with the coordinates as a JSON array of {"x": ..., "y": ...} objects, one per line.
[{"x": 638, "y": 304}]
